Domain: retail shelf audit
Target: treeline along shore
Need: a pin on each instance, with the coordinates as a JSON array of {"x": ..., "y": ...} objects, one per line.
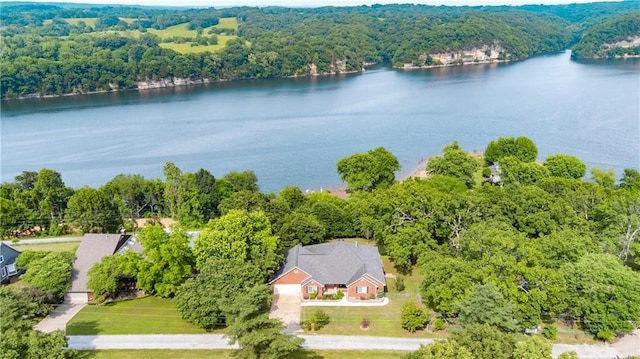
[{"x": 53, "y": 50}]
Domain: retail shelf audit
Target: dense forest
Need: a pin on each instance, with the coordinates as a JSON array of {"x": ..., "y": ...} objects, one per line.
[
  {"x": 536, "y": 236},
  {"x": 55, "y": 50},
  {"x": 605, "y": 38}
]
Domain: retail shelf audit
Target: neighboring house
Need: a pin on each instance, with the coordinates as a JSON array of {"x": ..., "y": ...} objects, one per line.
[
  {"x": 92, "y": 248},
  {"x": 8, "y": 257},
  {"x": 353, "y": 268}
]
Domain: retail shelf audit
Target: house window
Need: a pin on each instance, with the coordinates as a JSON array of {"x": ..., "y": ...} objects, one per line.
[
  {"x": 312, "y": 289},
  {"x": 4, "y": 272},
  {"x": 362, "y": 290},
  {"x": 1, "y": 258}
]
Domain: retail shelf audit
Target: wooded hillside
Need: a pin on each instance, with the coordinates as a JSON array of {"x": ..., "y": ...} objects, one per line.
[{"x": 54, "y": 50}]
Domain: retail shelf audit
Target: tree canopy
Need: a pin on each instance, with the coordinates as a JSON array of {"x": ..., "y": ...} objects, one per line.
[{"x": 370, "y": 170}]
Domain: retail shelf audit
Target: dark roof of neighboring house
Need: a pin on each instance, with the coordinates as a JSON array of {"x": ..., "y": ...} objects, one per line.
[
  {"x": 92, "y": 248},
  {"x": 9, "y": 253},
  {"x": 335, "y": 262}
]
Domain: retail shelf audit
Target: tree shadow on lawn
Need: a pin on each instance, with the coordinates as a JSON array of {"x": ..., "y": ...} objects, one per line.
[{"x": 84, "y": 327}]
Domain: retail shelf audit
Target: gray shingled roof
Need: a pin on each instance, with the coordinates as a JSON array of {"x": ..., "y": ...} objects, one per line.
[
  {"x": 335, "y": 262},
  {"x": 90, "y": 251}
]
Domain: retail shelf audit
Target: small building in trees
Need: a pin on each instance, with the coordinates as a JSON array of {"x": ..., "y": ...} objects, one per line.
[
  {"x": 92, "y": 248},
  {"x": 8, "y": 257},
  {"x": 326, "y": 268}
]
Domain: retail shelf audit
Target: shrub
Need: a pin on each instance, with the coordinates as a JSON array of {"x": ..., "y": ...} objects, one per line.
[
  {"x": 319, "y": 319},
  {"x": 550, "y": 332},
  {"x": 313, "y": 295},
  {"x": 438, "y": 324},
  {"x": 568, "y": 355},
  {"x": 365, "y": 322},
  {"x": 486, "y": 172},
  {"x": 328, "y": 296},
  {"x": 400, "y": 283},
  {"x": 339, "y": 295},
  {"x": 605, "y": 335},
  {"x": 413, "y": 318}
]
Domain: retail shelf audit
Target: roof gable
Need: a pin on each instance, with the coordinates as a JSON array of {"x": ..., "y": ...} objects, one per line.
[
  {"x": 335, "y": 262},
  {"x": 9, "y": 253}
]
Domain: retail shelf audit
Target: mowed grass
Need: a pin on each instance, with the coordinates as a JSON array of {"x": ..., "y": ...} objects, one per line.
[
  {"x": 89, "y": 21},
  {"x": 148, "y": 315},
  {"x": 228, "y": 354},
  {"x": 384, "y": 321},
  {"x": 228, "y": 23},
  {"x": 51, "y": 247}
]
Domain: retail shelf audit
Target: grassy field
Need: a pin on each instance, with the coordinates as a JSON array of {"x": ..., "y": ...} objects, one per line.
[
  {"x": 90, "y": 21},
  {"x": 384, "y": 321},
  {"x": 228, "y": 354},
  {"x": 149, "y": 315},
  {"x": 128, "y": 20},
  {"x": 52, "y": 247},
  {"x": 228, "y": 23}
]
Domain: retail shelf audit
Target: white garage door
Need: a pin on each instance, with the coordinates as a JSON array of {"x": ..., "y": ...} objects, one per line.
[{"x": 286, "y": 289}]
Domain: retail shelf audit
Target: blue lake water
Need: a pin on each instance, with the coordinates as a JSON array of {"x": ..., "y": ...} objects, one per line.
[{"x": 293, "y": 131}]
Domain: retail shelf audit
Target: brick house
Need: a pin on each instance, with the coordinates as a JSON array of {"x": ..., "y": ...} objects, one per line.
[{"x": 353, "y": 268}]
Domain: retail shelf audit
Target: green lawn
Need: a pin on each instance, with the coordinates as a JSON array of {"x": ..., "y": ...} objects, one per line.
[
  {"x": 52, "y": 247},
  {"x": 228, "y": 23},
  {"x": 181, "y": 30},
  {"x": 148, "y": 315},
  {"x": 228, "y": 354}
]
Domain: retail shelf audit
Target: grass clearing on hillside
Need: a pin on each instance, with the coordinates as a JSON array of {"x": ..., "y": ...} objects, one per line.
[
  {"x": 188, "y": 49},
  {"x": 228, "y": 354},
  {"x": 128, "y": 20},
  {"x": 89, "y": 21},
  {"x": 148, "y": 315},
  {"x": 52, "y": 247},
  {"x": 228, "y": 23},
  {"x": 180, "y": 30}
]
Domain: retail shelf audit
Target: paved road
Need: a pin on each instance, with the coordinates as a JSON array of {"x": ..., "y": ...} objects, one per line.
[
  {"x": 45, "y": 240},
  {"x": 217, "y": 341},
  {"x": 322, "y": 342}
]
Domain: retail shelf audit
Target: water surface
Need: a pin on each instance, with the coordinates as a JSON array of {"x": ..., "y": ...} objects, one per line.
[{"x": 293, "y": 131}]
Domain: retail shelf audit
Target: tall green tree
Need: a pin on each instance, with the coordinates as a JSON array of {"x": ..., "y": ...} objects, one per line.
[
  {"x": 602, "y": 293},
  {"x": 521, "y": 148},
  {"x": 202, "y": 299},
  {"x": 251, "y": 328},
  {"x": 51, "y": 273},
  {"x": 367, "y": 171},
  {"x": 441, "y": 350},
  {"x": 300, "y": 228},
  {"x": 240, "y": 236},
  {"x": 485, "y": 342},
  {"x": 107, "y": 276},
  {"x": 455, "y": 163},
  {"x": 486, "y": 305},
  {"x": 167, "y": 260},
  {"x": 565, "y": 166},
  {"x": 535, "y": 347},
  {"x": 92, "y": 211}
]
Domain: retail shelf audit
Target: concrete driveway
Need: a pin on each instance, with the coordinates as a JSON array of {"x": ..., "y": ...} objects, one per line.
[
  {"x": 58, "y": 319},
  {"x": 286, "y": 307}
]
